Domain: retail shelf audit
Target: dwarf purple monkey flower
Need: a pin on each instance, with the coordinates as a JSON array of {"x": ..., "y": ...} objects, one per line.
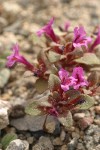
[
  {"x": 48, "y": 30},
  {"x": 76, "y": 80},
  {"x": 16, "y": 57},
  {"x": 78, "y": 74},
  {"x": 80, "y": 38},
  {"x": 66, "y": 81}
]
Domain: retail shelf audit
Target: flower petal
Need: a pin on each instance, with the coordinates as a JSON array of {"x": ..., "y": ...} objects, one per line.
[
  {"x": 48, "y": 30},
  {"x": 80, "y": 38},
  {"x": 63, "y": 74}
]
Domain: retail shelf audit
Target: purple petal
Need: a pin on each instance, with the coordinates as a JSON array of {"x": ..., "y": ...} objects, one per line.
[
  {"x": 63, "y": 74},
  {"x": 80, "y": 38},
  {"x": 65, "y": 87},
  {"x": 96, "y": 42},
  {"x": 48, "y": 30},
  {"x": 79, "y": 71},
  {"x": 78, "y": 74},
  {"x": 66, "y": 26},
  {"x": 16, "y": 49}
]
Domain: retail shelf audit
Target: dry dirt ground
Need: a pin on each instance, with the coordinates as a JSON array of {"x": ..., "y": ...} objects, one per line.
[{"x": 18, "y": 20}]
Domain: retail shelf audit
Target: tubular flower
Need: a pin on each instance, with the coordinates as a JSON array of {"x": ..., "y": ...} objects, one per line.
[
  {"x": 96, "y": 42},
  {"x": 66, "y": 26},
  {"x": 66, "y": 81},
  {"x": 78, "y": 74},
  {"x": 80, "y": 38},
  {"x": 48, "y": 30},
  {"x": 16, "y": 57}
]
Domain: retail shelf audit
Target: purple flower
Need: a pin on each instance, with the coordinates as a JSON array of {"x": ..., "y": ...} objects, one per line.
[
  {"x": 76, "y": 80},
  {"x": 66, "y": 26},
  {"x": 96, "y": 42},
  {"x": 48, "y": 30},
  {"x": 16, "y": 57},
  {"x": 78, "y": 74},
  {"x": 66, "y": 81},
  {"x": 80, "y": 38}
]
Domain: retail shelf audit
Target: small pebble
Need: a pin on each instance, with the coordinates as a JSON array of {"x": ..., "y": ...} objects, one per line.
[
  {"x": 31, "y": 140},
  {"x": 62, "y": 135},
  {"x": 97, "y": 147},
  {"x": 97, "y": 121},
  {"x": 80, "y": 146},
  {"x": 57, "y": 141},
  {"x": 75, "y": 135},
  {"x": 72, "y": 144},
  {"x": 85, "y": 122},
  {"x": 50, "y": 127},
  {"x": 79, "y": 115},
  {"x": 97, "y": 109},
  {"x": 64, "y": 147},
  {"x": 18, "y": 145}
]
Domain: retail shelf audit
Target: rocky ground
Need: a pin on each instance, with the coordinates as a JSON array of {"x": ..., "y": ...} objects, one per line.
[{"x": 18, "y": 20}]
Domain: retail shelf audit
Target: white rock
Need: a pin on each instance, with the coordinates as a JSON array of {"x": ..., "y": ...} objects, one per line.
[
  {"x": 79, "y": 115},
  {"x": 4, "y": 107},
  {"x": 18, "y": 145},
  {"x": 5, "y": 104},
  {"x": 4, "y": 121}
]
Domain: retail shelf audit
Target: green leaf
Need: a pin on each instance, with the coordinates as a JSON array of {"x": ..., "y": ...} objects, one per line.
[
  {"x": 88, "y": 59},
  {"x": 41, "y": 56},
  {"x": 77, "y": 53},
  {"x": 53, "y": 57},
  {"x": 43, "y": 101},
  {"x": 67, "y": 120},
  {"x": 89, "y": 102},
  {"x": 4, "y": 77},
  {"x": 32, "y": 109},
  {"x": 53, "y": 81},
  {"x": 7, "y": 139},
  {"x": 41, "y": 85},
  {"x": 54, "y": 69}
]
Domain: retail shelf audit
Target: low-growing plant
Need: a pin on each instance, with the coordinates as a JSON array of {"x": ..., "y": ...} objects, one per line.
[{"x": 61, "y": 71}]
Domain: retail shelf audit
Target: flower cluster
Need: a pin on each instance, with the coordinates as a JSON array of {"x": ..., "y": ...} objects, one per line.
[
  {"x": 76, "y": 81},
  {"x": 60, "y": 70},
  {"x": 68, "y": 92}
]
